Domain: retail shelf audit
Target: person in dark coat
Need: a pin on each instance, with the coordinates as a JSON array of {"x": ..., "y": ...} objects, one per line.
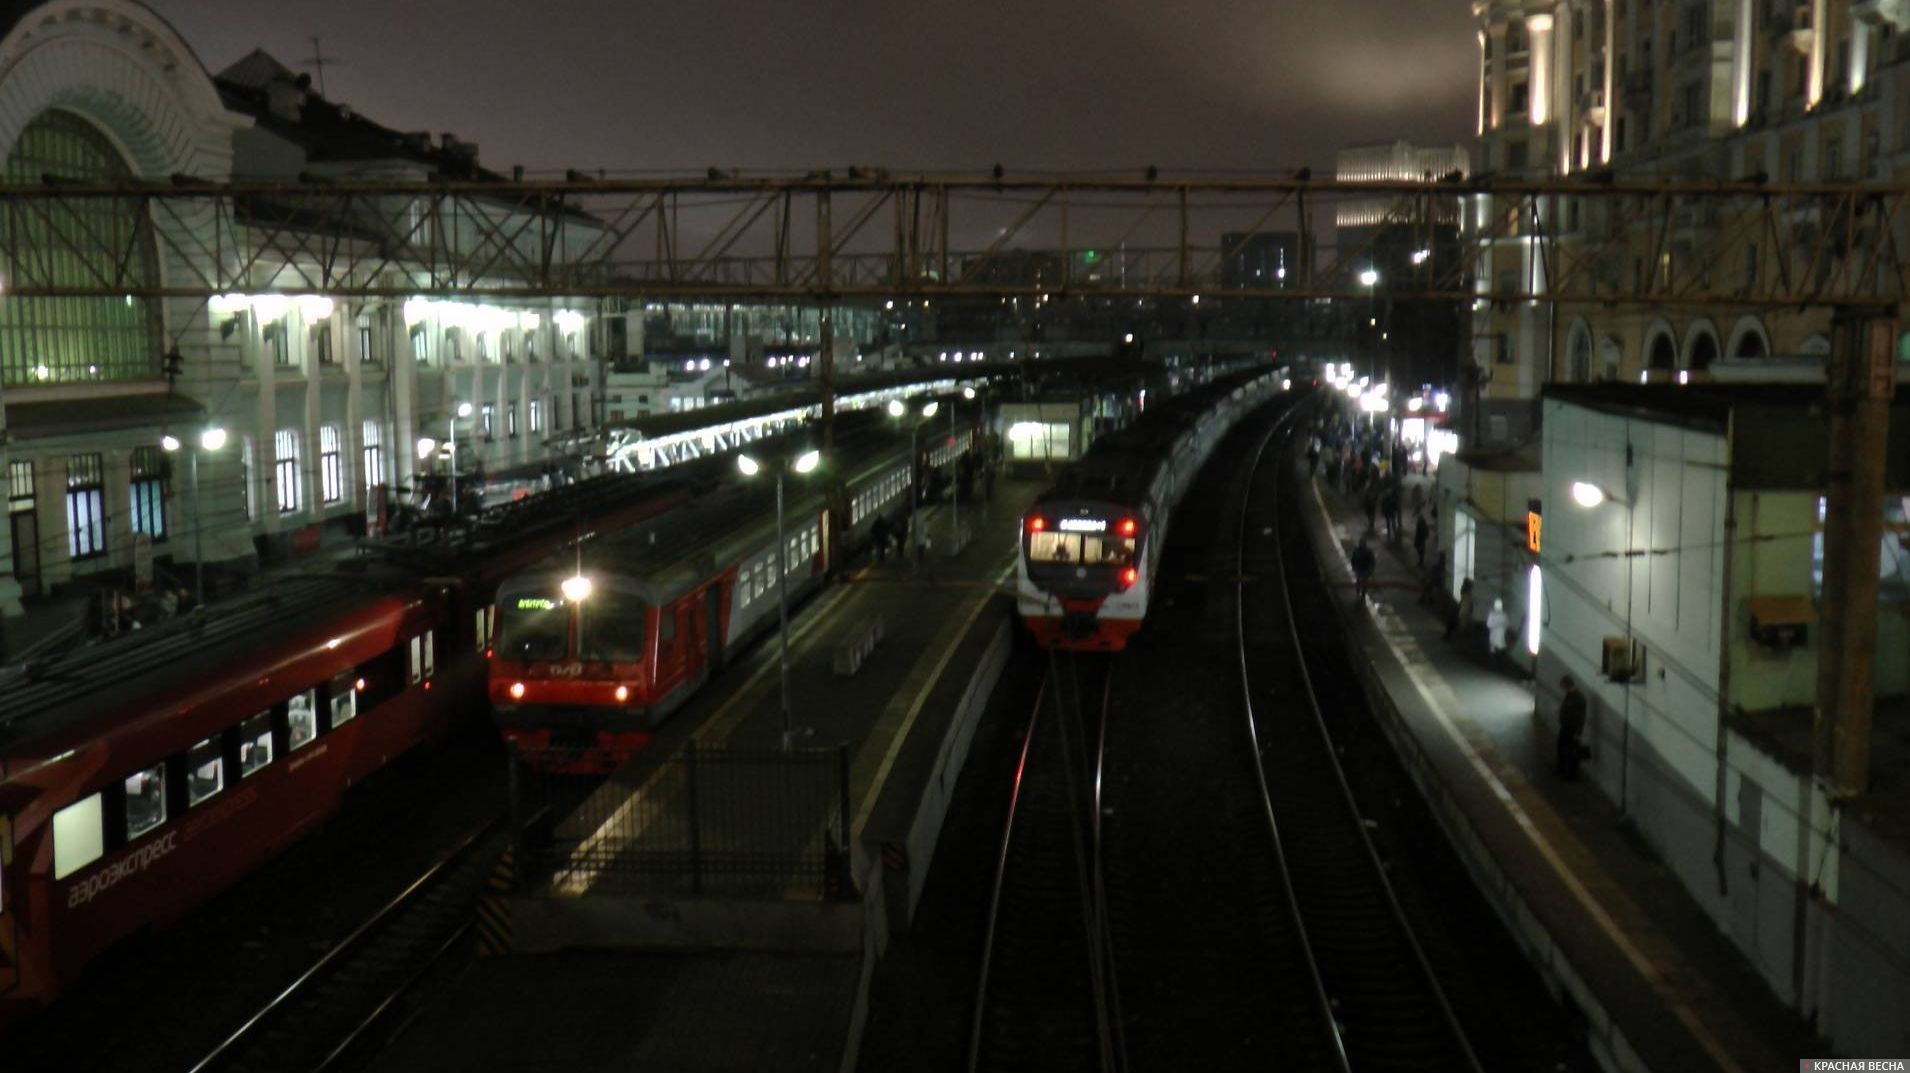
[
  {"x": 1571, "y": 725},
  {"x": 1362, "y": 562},
  {"x": 879, "y": 538},
  {"x": 1421, "y": 533}
]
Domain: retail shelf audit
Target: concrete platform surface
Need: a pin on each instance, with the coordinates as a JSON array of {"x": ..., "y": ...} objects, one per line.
[{"x": 1609, "y": 925}]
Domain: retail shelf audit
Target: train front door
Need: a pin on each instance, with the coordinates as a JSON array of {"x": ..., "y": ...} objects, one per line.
[
  {"x": 9, "y": 934},
  {"x": 24, "y": 528}
]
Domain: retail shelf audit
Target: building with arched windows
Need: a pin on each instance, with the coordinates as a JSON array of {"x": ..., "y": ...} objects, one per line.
[{"x": 325, "y": 405}]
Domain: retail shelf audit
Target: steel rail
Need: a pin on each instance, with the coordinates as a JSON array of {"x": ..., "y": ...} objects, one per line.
[
  {"x": 349, "y": 944},
  {"x": 1397, "y": 911}
]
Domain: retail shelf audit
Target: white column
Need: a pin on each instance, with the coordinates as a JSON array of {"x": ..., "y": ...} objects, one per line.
[
  {"x": 1484, "y": 74},
  {"x": 1859, "y": 55},
  {"x": 1814, "y": 88},
  {"x": 1538, "y": 29},
  {"x": 1742, "y": 57},
  {"x": 1611, "y": 102}
]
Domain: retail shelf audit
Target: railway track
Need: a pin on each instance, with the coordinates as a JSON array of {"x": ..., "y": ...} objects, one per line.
[
  {"x": 1046, "y": 999},
  {"x": 1186, "y": 880},
  {"x": 338, "y": 1009}
]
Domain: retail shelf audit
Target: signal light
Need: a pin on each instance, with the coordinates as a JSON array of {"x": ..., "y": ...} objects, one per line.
[
  {"x": 517, "y": 691},
  {"x": 1036, "y": 523},
  {"x": 623, "y": 694},
  {"x": 1127, "y": 527},
  {"x": 359, "y": 685},
  {"x": 1130, "y": 576}
]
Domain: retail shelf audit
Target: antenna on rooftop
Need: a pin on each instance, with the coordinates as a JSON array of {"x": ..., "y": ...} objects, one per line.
[{"x": 317, "y": 62}]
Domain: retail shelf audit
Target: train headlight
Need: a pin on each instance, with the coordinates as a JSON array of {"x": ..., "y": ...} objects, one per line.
[
  {"x": 517, "y": 691},
  {"x": 623, "y": 694}
]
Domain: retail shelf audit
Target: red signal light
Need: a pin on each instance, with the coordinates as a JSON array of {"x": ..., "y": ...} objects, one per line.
[
  {"x": 1036, "y": 523},
  {"x": 1127, "y": 527},
  {"x": 1129, "y": 576}
]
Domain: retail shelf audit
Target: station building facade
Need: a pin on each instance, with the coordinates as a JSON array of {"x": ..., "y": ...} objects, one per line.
[
  {"x": 325, "y": 405},
  {"x": 1787, "y": 91}
]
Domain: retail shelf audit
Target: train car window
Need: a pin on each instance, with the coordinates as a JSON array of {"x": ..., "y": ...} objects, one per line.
[
  {"x": 379, "y": 679},
  {"x": 145, "y": 800},
  {"x": 430, "y": 653},
  {"x": 533, "y": 628},
  {"x": 343, "y": 699},
  {"x": 301, "y": 719},
  {"x": 79, "y": 836},
  {"x": 417, "y": 660},
  {"x": 205, "y": 771},
  {"x": 255, "y": 743},
  {"x": 610, "y": 627},
  {"x": 1088, "y": 549},
  {"x": 743, "y": 593},
  {"x": 486, "y": 623}
]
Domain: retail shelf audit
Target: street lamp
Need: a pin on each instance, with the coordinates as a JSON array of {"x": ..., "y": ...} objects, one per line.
[
  {"x": 462, "y": 409},
  {"x": 210, "y": 439},
  {"x": 1590, "y": 496},
  {"x": 802, "y": 464}
]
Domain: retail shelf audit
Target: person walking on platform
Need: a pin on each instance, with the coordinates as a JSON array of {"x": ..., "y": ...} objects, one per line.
[
  {"x": 1461, "y": 618},
  {"x": 1498, "y": 628},
  {"x": 1571, "y": 725},
  {"x": 1370, "y": 503},
  {"x": 1420, "y": 535},
  {"x": 1362, "y": 562},
  {"x": 1389, "y": 506}
]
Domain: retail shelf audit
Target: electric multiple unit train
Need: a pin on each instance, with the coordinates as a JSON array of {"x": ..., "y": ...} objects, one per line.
[{"x": 1091, "y": 544}]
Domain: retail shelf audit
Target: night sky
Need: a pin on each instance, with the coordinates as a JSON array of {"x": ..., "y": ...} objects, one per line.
[{"x": 676, "y": 85}]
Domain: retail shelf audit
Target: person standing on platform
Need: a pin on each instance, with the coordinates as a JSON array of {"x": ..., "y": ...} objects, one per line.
[
  {"x": 879, "y": 538},
  {"x": 1362, "y": 562},
  {"x": 1461, "y": 618},
  {"x": 1389, "y": 506},
  {"x": 1498, "y": 626},
  {"x": 1571, "y": 725},
  {"x": 1421, "y": 533}
]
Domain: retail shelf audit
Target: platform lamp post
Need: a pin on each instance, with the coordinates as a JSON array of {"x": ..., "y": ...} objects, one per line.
[
  {"x": 210, "y": 439},
  {"x": 898, "y": 409},
  {"x": 1591, "y": 496},
  {"x": 802, "y": 464},
  {"x": 1369, "y": 278}
]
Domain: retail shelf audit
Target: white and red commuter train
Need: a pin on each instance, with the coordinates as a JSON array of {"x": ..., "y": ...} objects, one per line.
[
  {"x": 1091, "y": 545},
  {"x": 592, "y": 651}
]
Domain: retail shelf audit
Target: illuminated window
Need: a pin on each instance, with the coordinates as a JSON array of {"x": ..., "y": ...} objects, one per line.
[
  {"x": 255, "y": 743},
  {"x": 79, "y": 836},
  {"x": 374, "y": 457},
  {"x": 331, "y": 466},
  {"x": 85, "y": 505},
  {"x": 19, "y": 486},
  {"x": 344, "y": 699},
  {"x": 145, "y": 800},
  {"x": 366, "y": 354},
  {"x": 537, "y": 415},
  {"x": 322, "y": 344},
  {"x": 149, "y": 492},
  {"x": 285, "y": 469},
  {"x": 76, "y": 242},
  {"x": 301, "y": 719},
  {"x": 205, "y": 771}
]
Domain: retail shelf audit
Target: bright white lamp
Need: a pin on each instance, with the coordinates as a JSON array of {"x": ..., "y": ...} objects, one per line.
[
  {"x": 748, "y": 465},
  {"x": 212, "y": 439},
  {"x": 1587, "y": 495},
  {"x": 807, "y": 461},
  {"x": 576, "y": 588}
]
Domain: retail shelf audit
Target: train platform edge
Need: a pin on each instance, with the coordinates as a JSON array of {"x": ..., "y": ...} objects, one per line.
[
  {"x": 660, "y": 980},
  {"x": 1609, "y": 928}
]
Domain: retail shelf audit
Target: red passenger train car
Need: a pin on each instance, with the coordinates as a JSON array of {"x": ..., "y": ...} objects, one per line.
[
  {"x": 135, "y": 780},
  {"x": 592, "y": 651},
  {"x": 141, "y": 775}
]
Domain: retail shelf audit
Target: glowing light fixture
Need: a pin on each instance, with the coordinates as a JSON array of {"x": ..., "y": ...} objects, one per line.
[
  {"x": 968, "y": 393},
  {"x": 517, "y": 691},
  {"x": 212, "y": 439},
  {"x": 1368, "y": 278},
  {"x": 1587, "y": 495},
  {"x": 931, "y": 408},
  {"x": 807, "y": 461},
  {"x": 576, "y": 588},
  {"x": 426, "y": 447},
  {"x": 170, "y": 443},
  {"x": 623, "y": 694},
  {"x": 896, "y": 409},
  {"x": 748, "y": 465},
  {"x": 1534, "y": 605}
]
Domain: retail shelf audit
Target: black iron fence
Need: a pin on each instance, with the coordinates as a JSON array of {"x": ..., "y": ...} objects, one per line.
[{"x": 705, "y": 820}]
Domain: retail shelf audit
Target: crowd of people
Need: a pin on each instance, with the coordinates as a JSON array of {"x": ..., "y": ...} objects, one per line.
[{"x": 1364, "y": 465}]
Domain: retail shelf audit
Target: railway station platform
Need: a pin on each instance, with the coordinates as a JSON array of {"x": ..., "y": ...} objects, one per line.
[
  {"x": 617, "y": 966},
  {"x": 1608, "y": 925}
]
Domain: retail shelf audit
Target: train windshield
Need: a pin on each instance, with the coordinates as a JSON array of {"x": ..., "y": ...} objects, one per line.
[
  {"x": 611, "y": 629},
  {"x": 533, "y": 627},
  {"x": 1087, "y": 549}
]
